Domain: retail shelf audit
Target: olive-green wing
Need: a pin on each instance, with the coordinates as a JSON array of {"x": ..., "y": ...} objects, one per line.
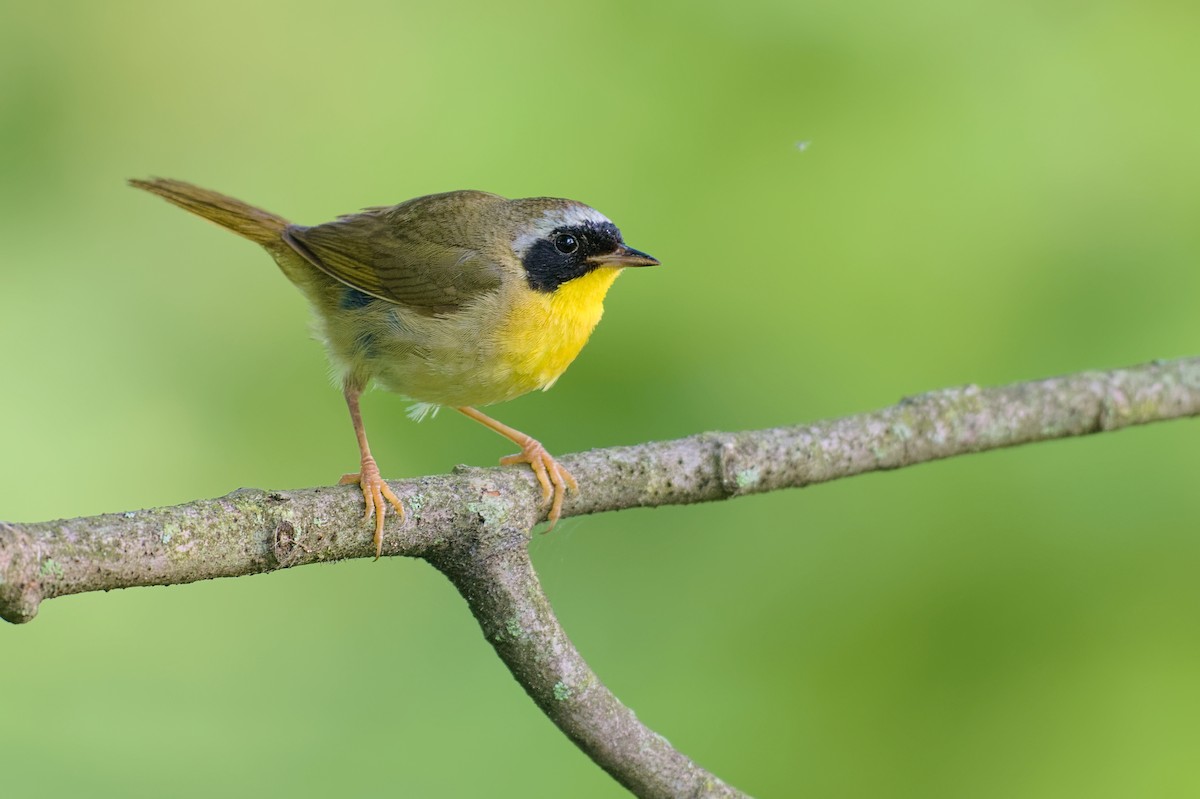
[{"x": 424, "y": 253}]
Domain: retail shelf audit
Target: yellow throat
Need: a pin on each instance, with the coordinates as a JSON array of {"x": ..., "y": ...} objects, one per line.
[{"x": 544, "y": 332}]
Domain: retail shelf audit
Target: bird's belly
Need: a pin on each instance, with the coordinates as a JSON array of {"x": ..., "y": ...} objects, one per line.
[
  {"x": 452, "y": 377},
  {"x": 489, "y": 355}
]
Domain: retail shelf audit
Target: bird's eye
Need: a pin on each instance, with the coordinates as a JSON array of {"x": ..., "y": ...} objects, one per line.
[{"x": 566, "y": 243}]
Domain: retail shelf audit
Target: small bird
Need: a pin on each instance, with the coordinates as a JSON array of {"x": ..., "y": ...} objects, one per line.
[{"x": 459, "y": 299}]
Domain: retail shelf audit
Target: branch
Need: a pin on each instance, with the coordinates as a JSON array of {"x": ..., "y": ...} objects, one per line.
[
  {"x": 474, "y": 526},
  {"x": 501, "y": 587}
]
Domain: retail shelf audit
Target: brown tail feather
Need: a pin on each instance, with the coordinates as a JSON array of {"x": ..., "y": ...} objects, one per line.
[{"x": 245, "y": 220}]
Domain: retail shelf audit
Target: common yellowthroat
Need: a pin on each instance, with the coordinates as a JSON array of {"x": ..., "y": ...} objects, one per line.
[{"x": 457, "y": 299}]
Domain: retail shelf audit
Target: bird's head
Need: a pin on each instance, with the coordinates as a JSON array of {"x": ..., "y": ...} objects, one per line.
[{"x": 557, "y": 241}]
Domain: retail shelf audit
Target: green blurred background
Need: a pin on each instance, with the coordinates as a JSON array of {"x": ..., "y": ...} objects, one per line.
[{"x": 993, "y": 191}]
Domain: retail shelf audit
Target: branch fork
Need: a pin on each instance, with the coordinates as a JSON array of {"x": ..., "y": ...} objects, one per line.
[{"x": 474, "y": 526}]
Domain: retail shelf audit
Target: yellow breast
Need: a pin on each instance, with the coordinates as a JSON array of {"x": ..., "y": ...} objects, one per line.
[{"x": 543, "y": 333}]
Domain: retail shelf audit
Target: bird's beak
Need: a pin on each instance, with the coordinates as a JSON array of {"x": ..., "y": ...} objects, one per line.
[{"x": 624, "y": 256}]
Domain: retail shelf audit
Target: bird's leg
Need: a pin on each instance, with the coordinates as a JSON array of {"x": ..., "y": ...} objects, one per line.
[
  {"x": 374, "y": 490},
  {"x": 553, "y": 478}
]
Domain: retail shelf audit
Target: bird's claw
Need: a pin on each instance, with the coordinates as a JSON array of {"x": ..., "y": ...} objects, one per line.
[
  {"x": 374, "y": 491},
  {"x": 550, "y": 474}
]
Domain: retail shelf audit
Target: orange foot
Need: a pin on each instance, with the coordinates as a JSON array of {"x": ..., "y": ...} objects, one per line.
[
  {"x": 553, "y": 478},
  {"x": 374, "y": 491}
]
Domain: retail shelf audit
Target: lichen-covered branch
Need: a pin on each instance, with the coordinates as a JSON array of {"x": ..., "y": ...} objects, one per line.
[
  {"x": 474, "y": 526},
  {"x": 252, "y": 531},
  {"x": 498, "y": 581}
]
